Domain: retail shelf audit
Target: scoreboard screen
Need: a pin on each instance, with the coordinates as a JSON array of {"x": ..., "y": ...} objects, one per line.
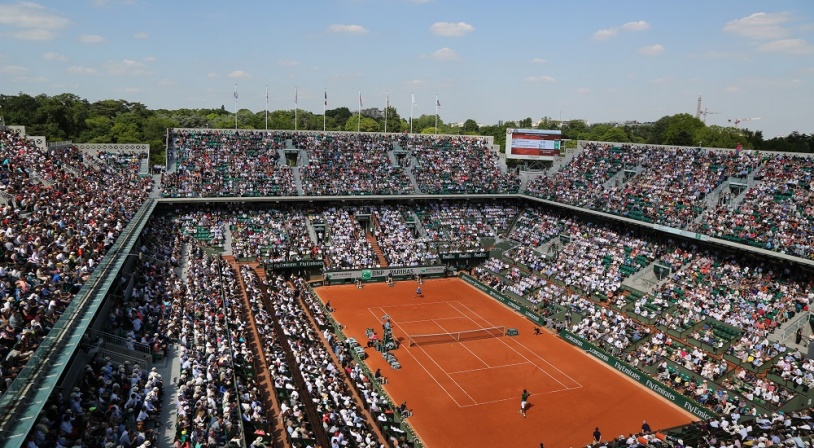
[{"x": 535, "y": 144}]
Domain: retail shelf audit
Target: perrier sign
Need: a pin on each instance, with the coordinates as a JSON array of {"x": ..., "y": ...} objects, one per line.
[{"x": 367, "y": 274}]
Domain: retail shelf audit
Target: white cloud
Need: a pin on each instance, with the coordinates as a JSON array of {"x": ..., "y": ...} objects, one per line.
[
  {"x": 349, "y": 29},
  {"x": 237, "y": 74},
  {"x": 583, "y": 90},
  {"x": 91, "y": 39},
  {"x": 80, "y": 70},
  {"x": 605, "y": 34},
  {"x": 31, "y": 15},
  {"x": 451, "y": 29},
  {"x": 127, "y": 67},
  {"x": 760, "y": 25},
  {"x": 542, "y": 78},
  {"x": 212, "y": 75},
  {"x": 539, "y": 61},
  {"x": 444, "y": 54},
  {"x": 732, "y": 89},
  {"x": 32, "y": 34},
  {"x": 13, "y": 70},
  {"x": 288, "y": 62},
  {"x": 415, "y": 82},
  {"x": 640, "y": 25},
  {"x": 608, "y": 33},
  {"x": 787, "y": 46},
  {"x": 53, "y": 56},
  {"x": 141, "y": 35},
  {"x": 652, "y": 50},
  {"x": 150, "y": 59}
]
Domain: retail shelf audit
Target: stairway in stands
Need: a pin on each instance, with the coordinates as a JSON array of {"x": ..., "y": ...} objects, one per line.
[{"x": 377, "y": 250}]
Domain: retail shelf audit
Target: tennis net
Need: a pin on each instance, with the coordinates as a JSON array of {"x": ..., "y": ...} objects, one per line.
[{"x": 457, "y": 336}]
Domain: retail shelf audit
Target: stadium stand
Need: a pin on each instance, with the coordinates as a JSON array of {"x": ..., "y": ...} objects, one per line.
[{"x": 705, "y": 330}]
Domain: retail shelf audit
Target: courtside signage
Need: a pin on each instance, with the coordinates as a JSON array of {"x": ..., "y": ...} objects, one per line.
[
  {"x": 370, "y": 274},
  {"x": 677, "y": 399}
]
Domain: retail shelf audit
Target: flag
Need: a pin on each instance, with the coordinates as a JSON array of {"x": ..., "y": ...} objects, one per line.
[
  {"x": 235, "y": 91},
  {"x": 387, "y": 99},
  {"x": 360, "y": 99},
  {"x": 437, "y": 103},
  {"x": 295, "y": 95},
  {"x": 326, "y": 97},
  {"x": 412, "y": 96}
]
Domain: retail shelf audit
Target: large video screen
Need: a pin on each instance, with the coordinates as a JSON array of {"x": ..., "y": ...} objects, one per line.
[{"x": 536, "y": 144}]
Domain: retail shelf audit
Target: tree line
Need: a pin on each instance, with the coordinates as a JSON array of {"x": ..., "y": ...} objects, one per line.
[{"x": 68, "y": 117}]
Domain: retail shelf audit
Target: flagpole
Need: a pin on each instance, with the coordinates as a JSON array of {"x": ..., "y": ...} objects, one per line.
[
  {"x": 295, "y": 108},
  {"x": 412, "y": 105},
  {"x": 386, "y": 106},
  {"x": 436, "y": 114},
  {"x": 236, "y": 107},
  {"x": 267, "y": 107},
  {"x": 324, "y": 107},
  {"x": 359, "y": 122}
]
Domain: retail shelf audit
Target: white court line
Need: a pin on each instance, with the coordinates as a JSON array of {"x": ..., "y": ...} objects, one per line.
[
  {"x": 425, "y": 369},
  {"x": 464, "y": 346},
  {"x": 514, "y": 398},
  {"x": 408, "y": 304},
  {"x": 490, "y": 367},
  {"x": 528, "y": 350},
  {"x": 431, "y": 320},
  {"x": 507, "y": 345}
]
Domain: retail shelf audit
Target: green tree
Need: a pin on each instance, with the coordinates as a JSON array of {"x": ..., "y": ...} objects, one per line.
[
  {"x": 470, "y": 126},
  {"x": 394, "y": 121},
  {"x": 367, "y": 124},
  {"x": 681, "y": 129},
  {"x": 525, "y": 123}
]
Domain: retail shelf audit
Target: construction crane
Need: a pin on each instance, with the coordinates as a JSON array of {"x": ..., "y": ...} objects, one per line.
[
  {"x": 707, "y": 112},
  {"x": 739, "y": 120}
]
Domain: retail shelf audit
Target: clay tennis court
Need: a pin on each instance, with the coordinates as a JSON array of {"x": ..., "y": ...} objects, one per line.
[{"x": 467, "y": 392}]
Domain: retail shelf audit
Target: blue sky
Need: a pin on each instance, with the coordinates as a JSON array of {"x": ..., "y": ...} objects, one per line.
[{"x": 490, "y": 61}]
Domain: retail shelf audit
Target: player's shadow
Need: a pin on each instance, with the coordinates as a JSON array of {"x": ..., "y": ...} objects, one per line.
[{"x": 529, "y": 406}]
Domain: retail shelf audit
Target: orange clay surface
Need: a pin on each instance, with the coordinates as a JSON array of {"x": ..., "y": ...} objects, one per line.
[{"x": 467, "y": 394}]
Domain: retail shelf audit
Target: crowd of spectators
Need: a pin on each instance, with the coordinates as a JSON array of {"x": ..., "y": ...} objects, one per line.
[
  {"x": 754, "y": 297},
  {"x": 399, "y": 243},
  {"x": 272, "y": 234},
  {"x": 458, "y": 165},
  {"x": 609, "y": 329},
  {"x": 378, "y": 405},
  {"x": 534, "y": 227},
  {"x": 59, "y": 217},
  {"x": 221, "y": 163},
  {"x": 292, "y": 406},
  {"x": 112, "y": 405},
  {"x": 209, "y": 325},
  {"x": 459, "y": 227},
  {"x": 579, "y": 181},
  {"x": 673, "y": 185},
  {"x": 796, "y": 370},
  {"x": 325, "y": 379},
  {"x": 777, "y": 213},
  {"x": 598, "y": 258},
  {"x": 346, "y": 246},
  {"x": 350, "y": 164}
]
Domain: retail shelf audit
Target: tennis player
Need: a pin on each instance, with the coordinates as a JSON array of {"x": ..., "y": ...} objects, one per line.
[
  {"x": 418, "y": 292},
  {"x": 523, "y": 402}
]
